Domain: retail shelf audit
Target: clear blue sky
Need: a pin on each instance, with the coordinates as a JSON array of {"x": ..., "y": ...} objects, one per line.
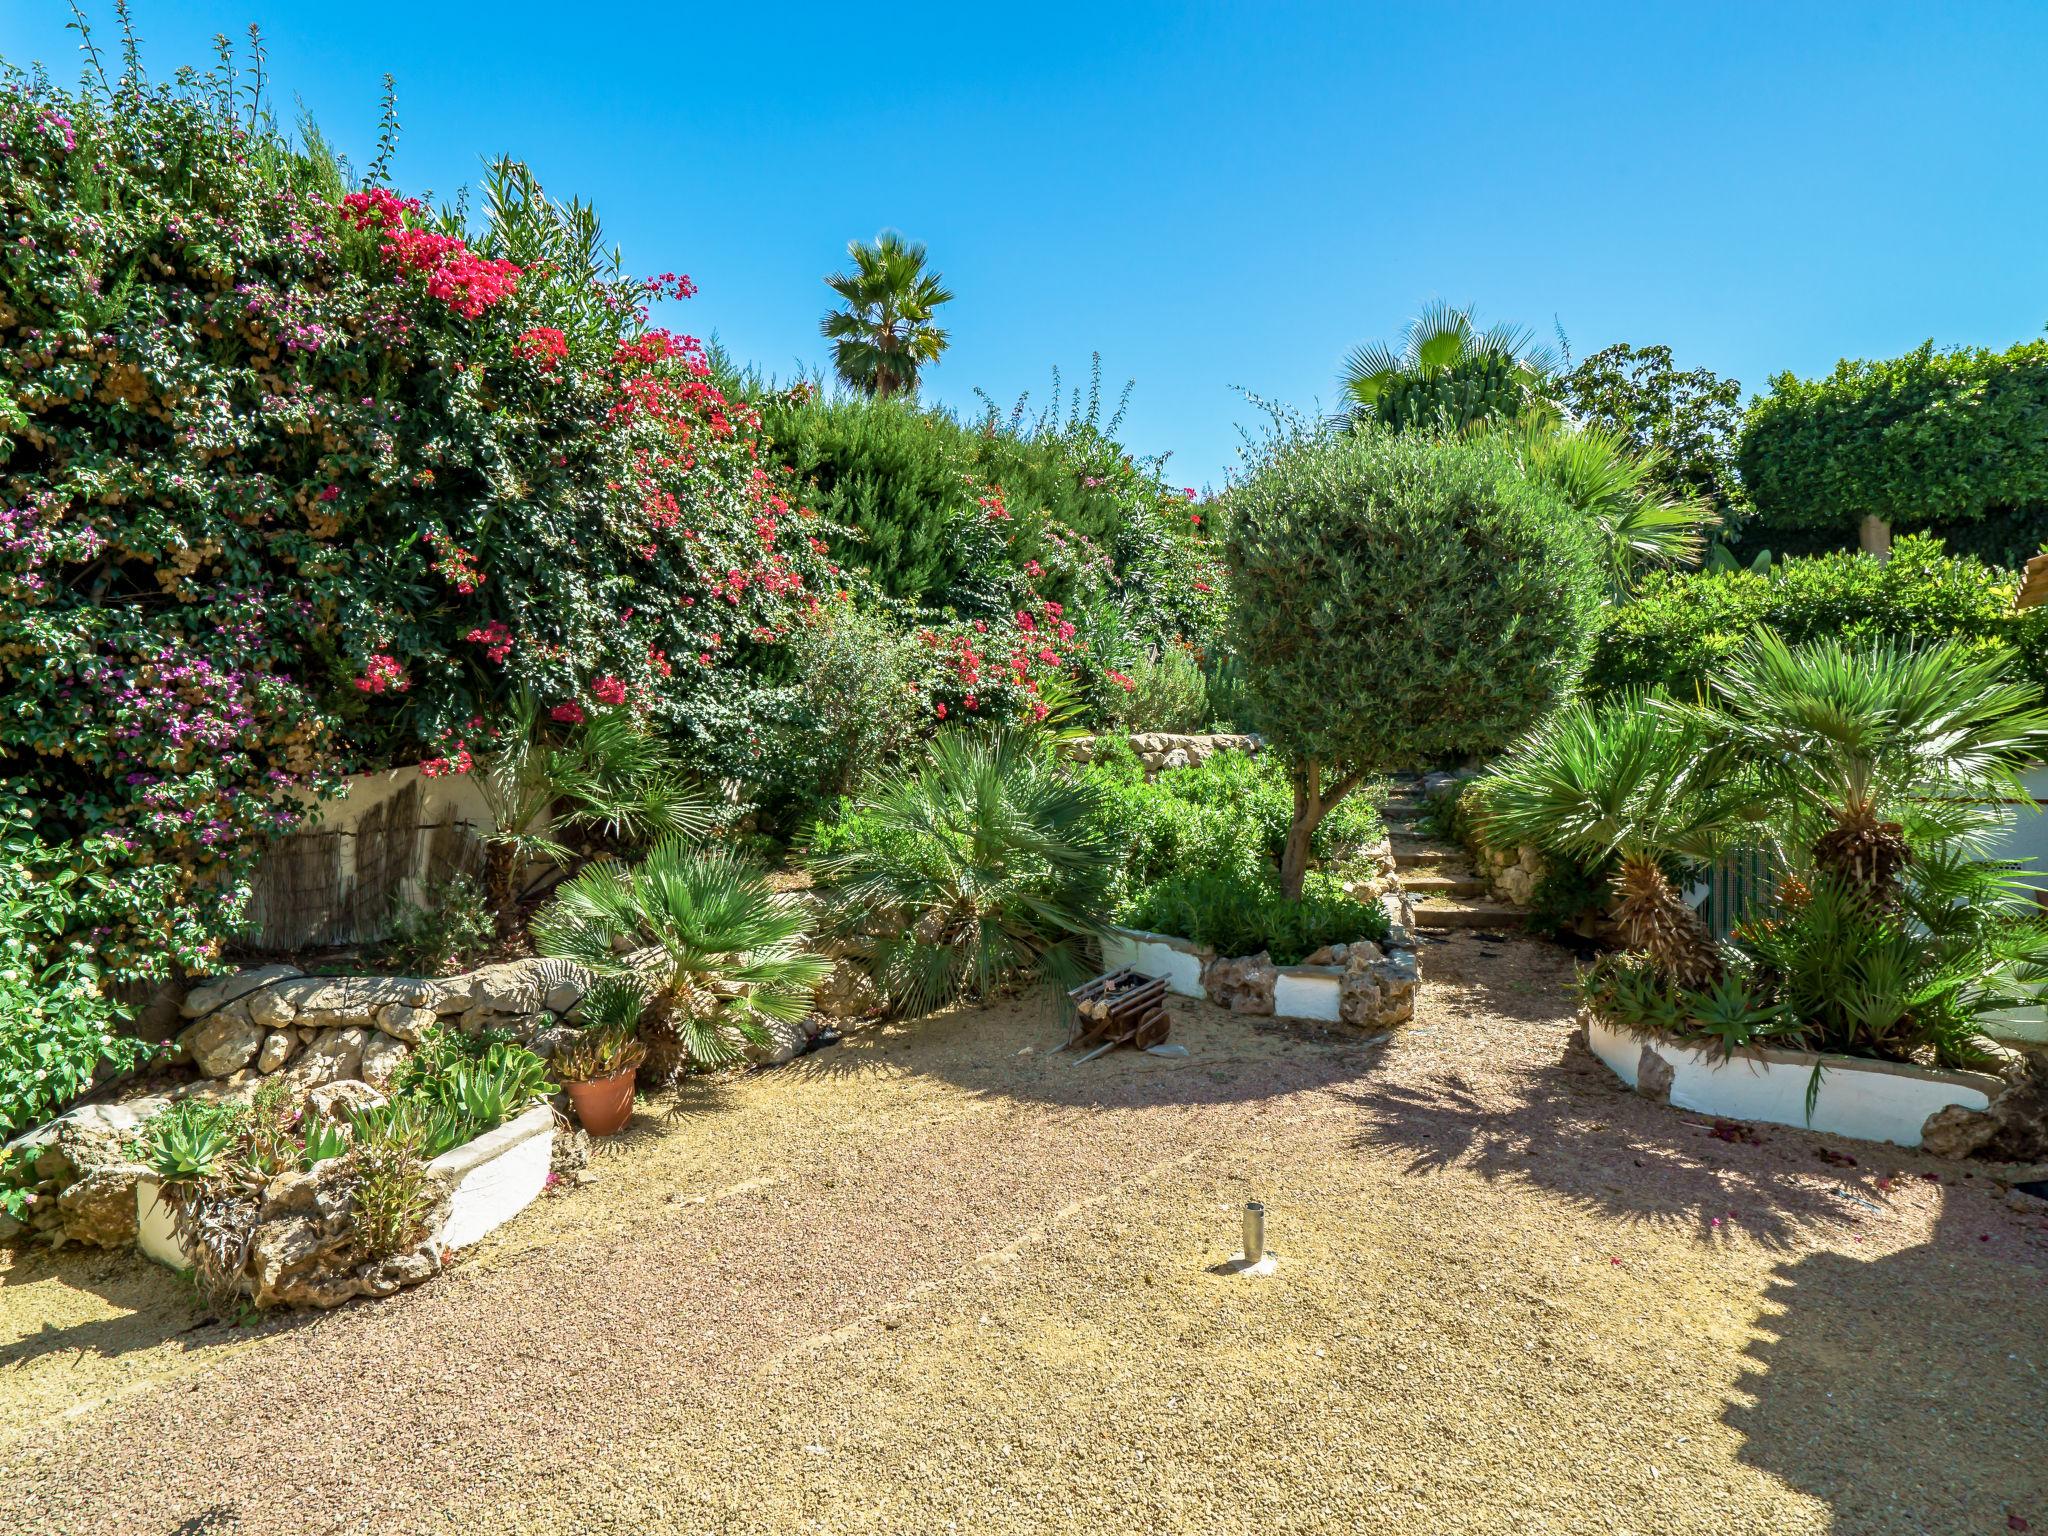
[{"x": 1231, "y": 197}]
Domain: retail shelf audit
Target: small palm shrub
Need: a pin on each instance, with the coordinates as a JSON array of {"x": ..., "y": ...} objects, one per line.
[
  {"x": 985, "y": 864},
  {"x": 610, "y": 1040},
  {"x": 718, "y": 951}
]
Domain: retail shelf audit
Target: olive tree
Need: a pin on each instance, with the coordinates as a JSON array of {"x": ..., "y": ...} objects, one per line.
[{"x": 1399, "y": 601}]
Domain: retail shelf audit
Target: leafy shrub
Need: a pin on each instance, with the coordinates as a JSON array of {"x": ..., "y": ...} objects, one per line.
[
  {"x": 989, "y": 864},
  {"x": 1684, "y": 629},
  {"x": 392, "y": 1195},
  {"x": 1930, "y": 440},
  {"x": 1399, "y": 600},
  {"x": 297, "y": 478},
  {"x": 448, "y": 926},
  {"x": 717, "y": 950},
  {"x": 1164, "y": 690},
  {"x": 1242, "y": 917}
]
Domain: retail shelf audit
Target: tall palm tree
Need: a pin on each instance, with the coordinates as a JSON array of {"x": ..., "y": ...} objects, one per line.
[
  {"x": 1637, "y": 781},
  {"x": 1602, "y": 474},
  {"x": 1879, "y": 748},
  {"x": 885, "y": 334},
  {"x": 1446, "y": 373},
  {"x": 717, "y": 949}
]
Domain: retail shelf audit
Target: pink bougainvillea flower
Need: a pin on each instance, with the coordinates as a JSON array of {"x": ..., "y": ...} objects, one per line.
[
  {"x": 608, "y": 690},
  {"x": 568, "y": 714}
]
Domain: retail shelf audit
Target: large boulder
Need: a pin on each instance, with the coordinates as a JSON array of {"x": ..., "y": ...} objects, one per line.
[
  {"x": 1378, "y": 988},
  {"x": 1243, "y": 985},
  {"x": 848, "y": 992},
  {"x": 279, "y": 1046},
  {"x": 222, "y": 1042},
  {"x": 330, "y": 1056},
  {"x": 211, "y": 996},
  {"x": 382, "y": 1058},
  {"x": 2014, "y": 1129}
]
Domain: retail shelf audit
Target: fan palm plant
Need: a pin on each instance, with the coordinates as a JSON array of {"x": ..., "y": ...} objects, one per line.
[
  {"x": 718, "y": 950},
  {"x": 1641, "y": 527},
  {"x": 984, "y": 864},
  {"x": 885, "y": 336},
  {"x": 1877, "y": 750},
  {"x": 611, "y": 778},
  {"x": 1448, "y": 373},
  {"x": 1638, "y": 782}
]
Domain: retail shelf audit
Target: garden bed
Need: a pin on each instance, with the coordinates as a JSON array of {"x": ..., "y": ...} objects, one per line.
[
  {"x": 1864, "y": 1099},
  {"x": 1363, "y": 984}
]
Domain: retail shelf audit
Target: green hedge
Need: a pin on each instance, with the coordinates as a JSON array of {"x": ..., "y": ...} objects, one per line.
[
  {"x": 1682, "y": 627},
  {"x": 1933, "y": 439}
]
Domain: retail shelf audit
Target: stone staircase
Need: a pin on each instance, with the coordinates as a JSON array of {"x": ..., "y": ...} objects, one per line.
[{"x": 1442, "y": 886}]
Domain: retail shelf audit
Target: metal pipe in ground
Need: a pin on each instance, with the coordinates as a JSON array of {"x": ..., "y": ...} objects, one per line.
[{"x": 1254, "y": 1231}]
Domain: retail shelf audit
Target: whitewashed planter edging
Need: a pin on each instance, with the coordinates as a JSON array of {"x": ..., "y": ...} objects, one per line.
[
  {"x": 1299, "y": 991},
  {"x": 1859, "y": 1098},
  {"x": 491, "y": 1180}
]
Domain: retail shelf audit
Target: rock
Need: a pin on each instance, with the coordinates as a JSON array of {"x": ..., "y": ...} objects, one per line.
[
  {"x": 511, "y": 987},
  {"x": 334, "y": 1101},
  {"x": 572, "y": 1152},
  {"x": 1327, "y": 955},
  {"x": 547, "y": 1042},
  {"x": 1654, "y": 1075},
  {"x": 346, "y": 1002},
  {"x": 849, "y": 992},
  {"x": 333, "y": 1055},
  {"x": 2013, "y": 1129},
  {"x": 1243, "y": 985},
  {"x": 786, "y": 1042},
  {"x": 1177, "y": 758},
  {"x": 222, "y": 1043},
  {"x": 1378, "y": 993},
  {"x": 404, "y": 1021},
  {"x": 203, "y": 1000},
  {"x": 563, "y": 996},
  {"x": 267, "y": 1008},
  {"x": 99, "y": 1209},
  {"x": 382, "y": 1058},
  {"x": 278, "y": 1048}
]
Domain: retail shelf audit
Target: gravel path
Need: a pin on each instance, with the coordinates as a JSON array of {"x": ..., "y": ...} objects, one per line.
[{"x": 934, "y": 1280}]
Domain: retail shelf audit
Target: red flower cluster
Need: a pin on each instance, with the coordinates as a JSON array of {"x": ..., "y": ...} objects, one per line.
[
  {"x": 992, "y": 504},
  {"x": 544, "y": 345},
  {"x": 608, "y": 690},
  {"x": 669, "y": 285},
  {"x": 454, "y": 564},
  {"x": 567, "y": 714},
  {"x": 383, "y": 674},
  {"x": 377, "y": 208},
  {"x": 457, "y": 761},
  {"x": 494, "y": 637},
  {"x": 467, "y": 283}
]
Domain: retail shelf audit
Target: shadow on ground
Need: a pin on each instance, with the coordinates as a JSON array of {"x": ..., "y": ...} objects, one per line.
[
  {"x": 151, "y": 1308},
  {"x": 1875, "y": 1371}
]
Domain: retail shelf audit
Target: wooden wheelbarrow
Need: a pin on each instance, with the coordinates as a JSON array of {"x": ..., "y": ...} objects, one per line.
[{"x": 1121, "y": 1008}]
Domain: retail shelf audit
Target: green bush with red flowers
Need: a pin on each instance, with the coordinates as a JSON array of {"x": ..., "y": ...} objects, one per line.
[{"x": 297, "y": 479}]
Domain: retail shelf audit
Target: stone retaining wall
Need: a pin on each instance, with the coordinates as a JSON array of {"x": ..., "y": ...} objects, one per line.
[{"x": 1159, "y": 750}]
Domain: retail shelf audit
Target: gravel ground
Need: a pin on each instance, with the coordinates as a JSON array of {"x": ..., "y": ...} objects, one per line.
[{"x": 935, "y": 1280}]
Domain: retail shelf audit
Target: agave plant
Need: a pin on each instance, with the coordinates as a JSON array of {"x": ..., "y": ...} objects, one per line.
[
  {"x": 1877, "y": 749},
  {"x": 1448, "y": 373},
  {"x": 1638, "y": 781},
  {"x": 611, "y": 777},
  {"x": 718, "y": 951},
  {"x": 979, "y": 866},
  {"x": 1618, "y": 487}
]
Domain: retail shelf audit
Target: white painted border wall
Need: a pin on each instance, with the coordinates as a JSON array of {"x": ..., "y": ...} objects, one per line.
[
  {"x": 1301, "y": 992},
  {"x": 1867, "y": 1100}
]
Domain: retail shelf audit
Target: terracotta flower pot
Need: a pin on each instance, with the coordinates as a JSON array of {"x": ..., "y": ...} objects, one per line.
[{"x": 605, "y": 1105}]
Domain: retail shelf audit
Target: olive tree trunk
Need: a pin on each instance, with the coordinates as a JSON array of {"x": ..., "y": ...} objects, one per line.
[{"x": 1313, "y": 800}]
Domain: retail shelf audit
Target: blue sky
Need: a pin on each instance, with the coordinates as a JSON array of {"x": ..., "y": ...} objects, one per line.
[{"x": 1225, "y": 198}]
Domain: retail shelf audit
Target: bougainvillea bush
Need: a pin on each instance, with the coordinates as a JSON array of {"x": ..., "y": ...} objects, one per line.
[{"x": 298, "y": 478}]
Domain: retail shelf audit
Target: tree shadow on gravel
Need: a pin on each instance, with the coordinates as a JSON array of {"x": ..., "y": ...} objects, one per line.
[
  {"x": 1568, "y": 1127},
  {"x": 1908, "y": 1390},
  {"x": 156, "y": 1308}
]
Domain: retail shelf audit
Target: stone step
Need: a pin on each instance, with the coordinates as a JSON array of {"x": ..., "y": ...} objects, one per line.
[
  {"x": 1410, "y": 851},
  {"x": 1443, "y": 885},
  {"x": 1394, "y": 811},
  {"x": 1467, "y": 914}
]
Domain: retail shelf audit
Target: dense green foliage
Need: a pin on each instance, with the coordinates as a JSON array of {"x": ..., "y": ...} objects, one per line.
[
  {"x": 1448, "y": 375},
  {"x": 984, "y": 865},
  {"x": 1683, "y": 628},
  {"x": 1399, "y": 600},
  {"x": 1243, "y": 917},
  {"x": 1690, "y": 420},
  {"x": 1934, "y": 439}
]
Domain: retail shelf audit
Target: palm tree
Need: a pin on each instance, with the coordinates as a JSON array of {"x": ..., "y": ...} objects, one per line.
[
  {"x": 983, "y": 864},
  {"x": 1879, "y": 748},
  {"x": 885, "y": 334},
  {"x": 718, "y": 950},
  {"x": 611, "y": 777},
  {"x": 1636, "y": 781},
  {"x": 1448, "y": 374},
  {"x": 1601, "y": 473}
]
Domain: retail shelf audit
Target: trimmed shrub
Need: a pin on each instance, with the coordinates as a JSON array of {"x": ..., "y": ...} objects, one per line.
[
  {"x": 1683, "y": 628},
  {"x": 1934, "y": 439},
  {"x": 1400, "y": 600},
  {"x": 1241, "y": 917}
]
